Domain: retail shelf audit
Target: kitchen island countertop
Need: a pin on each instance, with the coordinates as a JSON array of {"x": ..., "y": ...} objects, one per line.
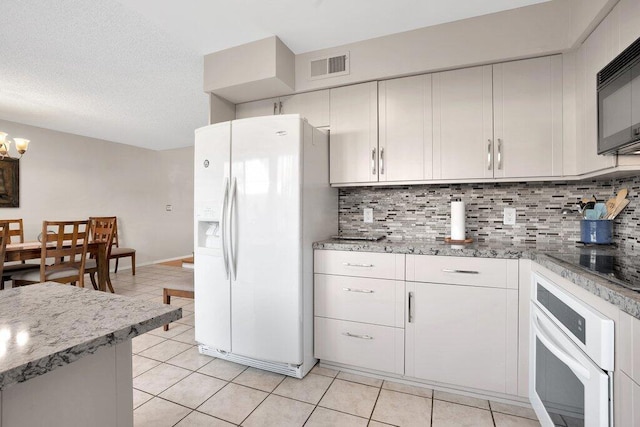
[
  {"x": 625, "y": 299},
  {"x": 49, "y": 325}
]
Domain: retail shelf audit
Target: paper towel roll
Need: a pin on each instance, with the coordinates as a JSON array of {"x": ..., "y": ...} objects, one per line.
[{"x": 457, "y": 220}]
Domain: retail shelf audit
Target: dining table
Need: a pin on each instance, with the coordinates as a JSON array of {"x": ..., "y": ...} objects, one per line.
[{"x": 33, "y": 250}]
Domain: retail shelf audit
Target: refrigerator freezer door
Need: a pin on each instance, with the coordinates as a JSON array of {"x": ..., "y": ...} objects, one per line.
[
  {"x": 266, "y": 236},
  {"x": 211, "y": 278}
]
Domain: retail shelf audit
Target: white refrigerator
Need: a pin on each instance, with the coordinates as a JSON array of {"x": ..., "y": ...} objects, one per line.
[{"x": 262, "y": 197}]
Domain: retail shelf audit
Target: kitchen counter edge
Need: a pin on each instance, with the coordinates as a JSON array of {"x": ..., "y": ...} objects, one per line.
[{"x": 87, "y": 342}]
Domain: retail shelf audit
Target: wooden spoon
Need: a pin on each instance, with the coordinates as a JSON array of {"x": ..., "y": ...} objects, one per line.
[
  {"x": 611, "y": 206},
  {"x": 619, "y": 207},
  {"x": 622, "y": 194}
]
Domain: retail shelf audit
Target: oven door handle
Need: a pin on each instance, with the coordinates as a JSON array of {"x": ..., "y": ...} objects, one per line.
[{"x": 573, "y": 364}]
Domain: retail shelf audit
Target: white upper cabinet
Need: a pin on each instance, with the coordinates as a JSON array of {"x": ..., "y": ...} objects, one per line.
[
  {"x": 405, "y": 129},
  {"x": 499, "y": 121},
  {"x": 463, "y": 124},
  {"x": 527, "y": 117},
  {"x": 264, "y": 107},
  {"x": 313, "y": 106},
  {"x": 354, "y": 134}
]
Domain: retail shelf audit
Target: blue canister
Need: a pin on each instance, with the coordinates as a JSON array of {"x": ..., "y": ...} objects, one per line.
[{"x": 598, "y": 231}]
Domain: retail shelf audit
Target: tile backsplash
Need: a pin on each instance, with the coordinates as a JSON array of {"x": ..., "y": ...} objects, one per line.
[{"x": 423, "y": 211}]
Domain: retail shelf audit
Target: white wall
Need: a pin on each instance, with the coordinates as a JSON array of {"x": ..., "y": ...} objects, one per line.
[
  {"x": 535, "y": 30},
  {"x": 70, "y": 177}
]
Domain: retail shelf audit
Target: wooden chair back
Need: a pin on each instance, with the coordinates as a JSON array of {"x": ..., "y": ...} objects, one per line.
[
  {"x": 64, "y": 242},
  {"x": 4, "y": 240},
  {"x": 102, "y": 229},
  {"x": 115, "y": 235},
  {"x": 16, "y": 230}
]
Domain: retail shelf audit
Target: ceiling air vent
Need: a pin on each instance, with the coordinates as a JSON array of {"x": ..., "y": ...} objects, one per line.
[{"x": 322, "y": 68}]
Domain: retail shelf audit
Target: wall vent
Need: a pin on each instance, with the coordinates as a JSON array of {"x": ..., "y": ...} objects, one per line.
[{"x": 330, "y": 66}]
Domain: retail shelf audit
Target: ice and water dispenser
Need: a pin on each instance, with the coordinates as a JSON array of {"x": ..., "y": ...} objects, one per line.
[{"x": 209, "y": 232}]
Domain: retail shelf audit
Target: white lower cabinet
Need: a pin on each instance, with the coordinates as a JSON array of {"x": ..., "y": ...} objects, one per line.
[
  {"x": 462, "y": 325},
  {"x": 627, "y": 401},
  {"x": 359, "y": 309},
  {"x": 453, "y": 322},
  {"x": 380, "y": 348},
  {"x": 463, "y": 335}
]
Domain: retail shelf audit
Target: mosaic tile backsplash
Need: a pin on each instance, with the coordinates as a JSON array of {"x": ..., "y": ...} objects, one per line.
[{"x": 423, "y": 212}]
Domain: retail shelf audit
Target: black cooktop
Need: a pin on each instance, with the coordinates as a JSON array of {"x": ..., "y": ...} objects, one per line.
[{"x": 615, "y": 266}]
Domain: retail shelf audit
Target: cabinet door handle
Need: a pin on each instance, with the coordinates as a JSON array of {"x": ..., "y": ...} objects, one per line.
[
  {"x": 489, "y": 167},
  {"x": 411, "y": 305},
  {"x": 362, "y": 337},
  {"x": 382, "y": 161},
  {"x": 348, "y": 264},
  {"x": 451, "y": 270},
  {"x": 280, "y": 107},
  {"x": 362, "y": 291},
  {"x": 373, "y": 161},
  {"x": 499, "y": 153}
]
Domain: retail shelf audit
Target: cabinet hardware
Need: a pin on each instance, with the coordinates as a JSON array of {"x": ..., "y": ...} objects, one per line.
[
  {"x": 410, "y": 311},
  {"x": 450, "y": 270},
  {"x": 373, "y": 161},
  {"x": 489, "y": 167},
  {"x": 280, "y": 107},
  {"x": 499, "y": 153},
  {"x": 275, "y": 108},
  {"x": 223, "y": 215},
  {"x": 232, "y": 208},
  {"x": 348, "y": 264},
  {"x": 362, "y": 337},
  {"x": 382, "y": 161},
  {"x": 362, "y": 291}
]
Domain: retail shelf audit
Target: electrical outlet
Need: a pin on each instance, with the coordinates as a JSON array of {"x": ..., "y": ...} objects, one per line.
[
  {"x": 509, "y": 216},
  {"x": 169, "y": 208},
  {"x": 368, "y": 215}
]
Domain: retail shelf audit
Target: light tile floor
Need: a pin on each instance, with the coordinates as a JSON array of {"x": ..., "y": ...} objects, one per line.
[{"x": 174, "y": 385}]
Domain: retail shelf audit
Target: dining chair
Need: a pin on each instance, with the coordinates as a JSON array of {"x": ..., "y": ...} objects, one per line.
[
  {"x": 101, "y": 230},
  {"x": 64, "y": 243},
  {"x": 117, "y": 252},
  {"x": 16, "y": 235},
  {"x": 4, "y": 239}
]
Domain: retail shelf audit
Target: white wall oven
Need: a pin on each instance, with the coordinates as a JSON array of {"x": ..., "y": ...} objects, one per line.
[{"x": 571, "y": 359}]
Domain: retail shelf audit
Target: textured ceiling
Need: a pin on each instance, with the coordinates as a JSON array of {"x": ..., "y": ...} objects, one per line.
[{"x": 130, "y": 71}]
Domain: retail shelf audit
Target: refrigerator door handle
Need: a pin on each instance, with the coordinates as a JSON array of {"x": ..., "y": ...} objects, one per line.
[
  {"x": 225, "y": 201},
  {"x": 232, "y": 207}
]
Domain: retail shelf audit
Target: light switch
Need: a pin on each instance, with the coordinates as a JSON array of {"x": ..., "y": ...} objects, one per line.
[
  {"x": 368, "y": 215},
  {"x": 509, "y": 216}
]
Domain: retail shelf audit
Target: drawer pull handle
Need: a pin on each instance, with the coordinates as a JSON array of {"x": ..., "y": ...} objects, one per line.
[
  {"x": 451, "y": 270},
  {"x": 411, "y": 305},
  {"x": 362, "y": 291},
  {"x": 348, "y": 264},
  {"x": 362, "y": 337}
]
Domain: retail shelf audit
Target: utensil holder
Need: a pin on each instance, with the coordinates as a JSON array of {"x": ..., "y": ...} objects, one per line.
[{"x": 598, "y": 231}]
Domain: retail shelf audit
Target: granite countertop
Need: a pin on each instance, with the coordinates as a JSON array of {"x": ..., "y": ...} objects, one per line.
[
  {"x": 48, "y": 325},
  {"x": 625, "y": 299}
]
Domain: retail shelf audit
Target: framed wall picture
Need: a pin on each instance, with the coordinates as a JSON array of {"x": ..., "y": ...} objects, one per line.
[{"x": 9, "y": 183}]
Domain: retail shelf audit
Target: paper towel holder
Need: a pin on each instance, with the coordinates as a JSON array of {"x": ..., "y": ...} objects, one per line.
[{"x": 465, "y": 239}]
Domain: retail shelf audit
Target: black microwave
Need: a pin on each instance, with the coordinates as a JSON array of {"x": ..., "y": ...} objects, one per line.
[{"x": 619, "y": 103}]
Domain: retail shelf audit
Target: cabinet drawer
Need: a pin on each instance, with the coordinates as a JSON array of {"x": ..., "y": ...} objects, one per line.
[
  {"x": 380, "y": 348},
  {"x": 360, "y": 264},
  {"x": 489, "y": 272},
  {"x": 359, "y": 299}
]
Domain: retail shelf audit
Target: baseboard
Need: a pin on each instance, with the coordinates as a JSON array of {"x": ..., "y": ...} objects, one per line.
[{"x": 120, "y": 268}]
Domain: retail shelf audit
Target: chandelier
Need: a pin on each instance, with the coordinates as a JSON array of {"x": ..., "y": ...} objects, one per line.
[{"x": 5, "y": 144}]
